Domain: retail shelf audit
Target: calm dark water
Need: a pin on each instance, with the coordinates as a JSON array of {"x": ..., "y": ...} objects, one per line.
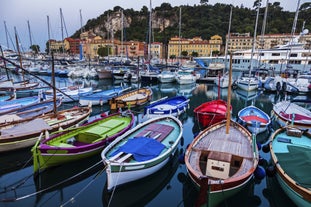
[{"x": 83, "y": 183}]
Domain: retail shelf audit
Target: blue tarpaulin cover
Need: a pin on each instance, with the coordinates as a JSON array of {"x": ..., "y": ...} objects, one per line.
[{"x": 142, "y": 148}]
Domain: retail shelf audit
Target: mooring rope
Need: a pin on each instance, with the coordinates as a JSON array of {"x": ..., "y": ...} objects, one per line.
[
  {"x": 115, "y": 186},
  {"x": 72, "y": 199}
]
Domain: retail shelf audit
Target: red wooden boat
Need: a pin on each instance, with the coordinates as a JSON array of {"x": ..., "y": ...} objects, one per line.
[{"x": 211, "y": 112}]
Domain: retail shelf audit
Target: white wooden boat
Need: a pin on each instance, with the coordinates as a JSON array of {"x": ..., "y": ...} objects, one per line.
[
  {"x": 142, "y": 150},
  {"x": 286, "y": 112}
]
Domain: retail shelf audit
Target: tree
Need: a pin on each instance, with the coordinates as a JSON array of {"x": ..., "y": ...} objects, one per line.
[
  {"x": 103, "y": 51},
  {"x": 35, "y": 48},
  {"x": 194, "y": 54},
  {"x": 184, "y": 53},
  {"x": 172, "y": 56}
]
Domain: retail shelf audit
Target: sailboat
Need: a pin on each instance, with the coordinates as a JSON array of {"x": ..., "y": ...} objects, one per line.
[
  {"x": 221, "y": 163},
  {"x": 249, "y": 82}
]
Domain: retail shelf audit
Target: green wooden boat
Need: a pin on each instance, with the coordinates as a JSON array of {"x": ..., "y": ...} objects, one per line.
[{"x": 81, "y": 142}]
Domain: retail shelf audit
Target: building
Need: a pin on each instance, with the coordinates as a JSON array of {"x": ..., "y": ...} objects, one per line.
[
  {"x": 238, "y": 42},
  {"x": 177, "y": 46},
  {"x": 72, "y": 45}
]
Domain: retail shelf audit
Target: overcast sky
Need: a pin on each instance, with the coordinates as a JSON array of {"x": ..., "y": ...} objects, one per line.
[{"x": 16, "y": 13}]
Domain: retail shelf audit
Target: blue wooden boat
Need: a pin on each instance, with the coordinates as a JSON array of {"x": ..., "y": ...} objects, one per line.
[
  {"x": 6, "y": 106},
  {"x": 167, "y": 106},
  {"x": 101, "y": 97},
  {"x": 256, "y": 120},
  {"x": 291, "y": 154}
]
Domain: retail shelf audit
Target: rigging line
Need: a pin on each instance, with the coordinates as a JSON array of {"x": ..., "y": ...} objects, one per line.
[
  {"x": 50, "y": 187},
  {"x": 72, "y": 199}
]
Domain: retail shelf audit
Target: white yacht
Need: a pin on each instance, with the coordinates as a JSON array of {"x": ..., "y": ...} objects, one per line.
[{"x": 294, "y": 54}]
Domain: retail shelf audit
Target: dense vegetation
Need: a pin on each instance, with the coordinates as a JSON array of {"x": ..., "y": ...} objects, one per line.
[{"x": 200, "y": 20}]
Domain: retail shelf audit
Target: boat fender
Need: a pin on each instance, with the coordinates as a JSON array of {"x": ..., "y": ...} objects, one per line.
[
  {"x": 263, "y": 162},
  {"x": 278, "y": 86},
  {"x": 270, "y": 171},
  {"x": 284, "y": 86},
  {"x": 260, "y": 173},
  {"x": 266, "y": 148},
  {"x": 181, "y": 158}
]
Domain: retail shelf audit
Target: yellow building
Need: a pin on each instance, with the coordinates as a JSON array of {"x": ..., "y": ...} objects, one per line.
[{"x": 202, "y": 47}]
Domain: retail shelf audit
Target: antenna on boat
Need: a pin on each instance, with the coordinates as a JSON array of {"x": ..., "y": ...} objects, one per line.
[{"x": 229, "y": 97}]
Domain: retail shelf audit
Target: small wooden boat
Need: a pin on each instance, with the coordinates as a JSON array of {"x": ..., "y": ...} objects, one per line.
[
  {"x": 220, "y": 163},
  {"x": 256, "y": 120},
  {"x": 291, "y": 154},
  {"x": 142, "y": 150},
  {"x": 80, "y": 142},
  {"x": 132, "y": 98},
  {"x": 167, "y": 106},
  {"x": 21, "y": 134},
  {"x": 211, "y": 112},
  {"x": 29, "y": 111},
  {"x": 286, "y": 112},
  {"x": 6, "y": 106},
  {"x": 101, "y": 97},
  {"x": 18, "y": 86}
]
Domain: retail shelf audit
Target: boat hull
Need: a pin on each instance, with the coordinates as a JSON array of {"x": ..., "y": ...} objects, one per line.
[
  {"x": 211, "y": 112},
  {"x": 166, "y": 130}
]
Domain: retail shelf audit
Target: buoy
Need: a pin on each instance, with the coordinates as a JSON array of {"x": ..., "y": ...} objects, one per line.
[
  {"x": 270, "y": 170},
  {"x": 266, "y": 148},
  {"x": 181, "y": 159},
  {"x": 260, "y": 173},
  {"x": 103, "y": 114},
  {"x": 262, "y": 162}
]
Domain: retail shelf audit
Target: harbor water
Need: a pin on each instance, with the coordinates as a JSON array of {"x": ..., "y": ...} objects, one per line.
[{"x": 83, "y": 183}]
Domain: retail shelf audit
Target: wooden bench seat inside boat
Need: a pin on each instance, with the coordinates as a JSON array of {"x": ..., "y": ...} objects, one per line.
[
  {"x": 99, "y": 131},
  {"x": 153, "y": 130}
]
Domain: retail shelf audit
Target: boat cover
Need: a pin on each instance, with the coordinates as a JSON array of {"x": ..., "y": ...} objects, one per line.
[
  {"x": 297, "y": 164},
  {"x": 142, "y": 148}
]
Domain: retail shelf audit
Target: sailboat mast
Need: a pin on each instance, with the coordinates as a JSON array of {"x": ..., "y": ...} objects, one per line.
[
  {"x": 293, "y": 31},
  {"x": 122, "y": 25},
  {"x": 6, "y": 35},
  {"x": 149, "y": 39},
  {"x": 81, "y": 25},
  {"x": 228, "y": 39},
  {"x": 254, "y": 41},
  {"x": 263, "y": 31},
  {"x": 19, "y": 52},
  {"x": 30, "y": 39},
  {"x": 62, "y": 28},
  {"x": 49, "y": 34},
  {"x": 229, "y": 98},
  {"x": 179, "y": 34}
]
